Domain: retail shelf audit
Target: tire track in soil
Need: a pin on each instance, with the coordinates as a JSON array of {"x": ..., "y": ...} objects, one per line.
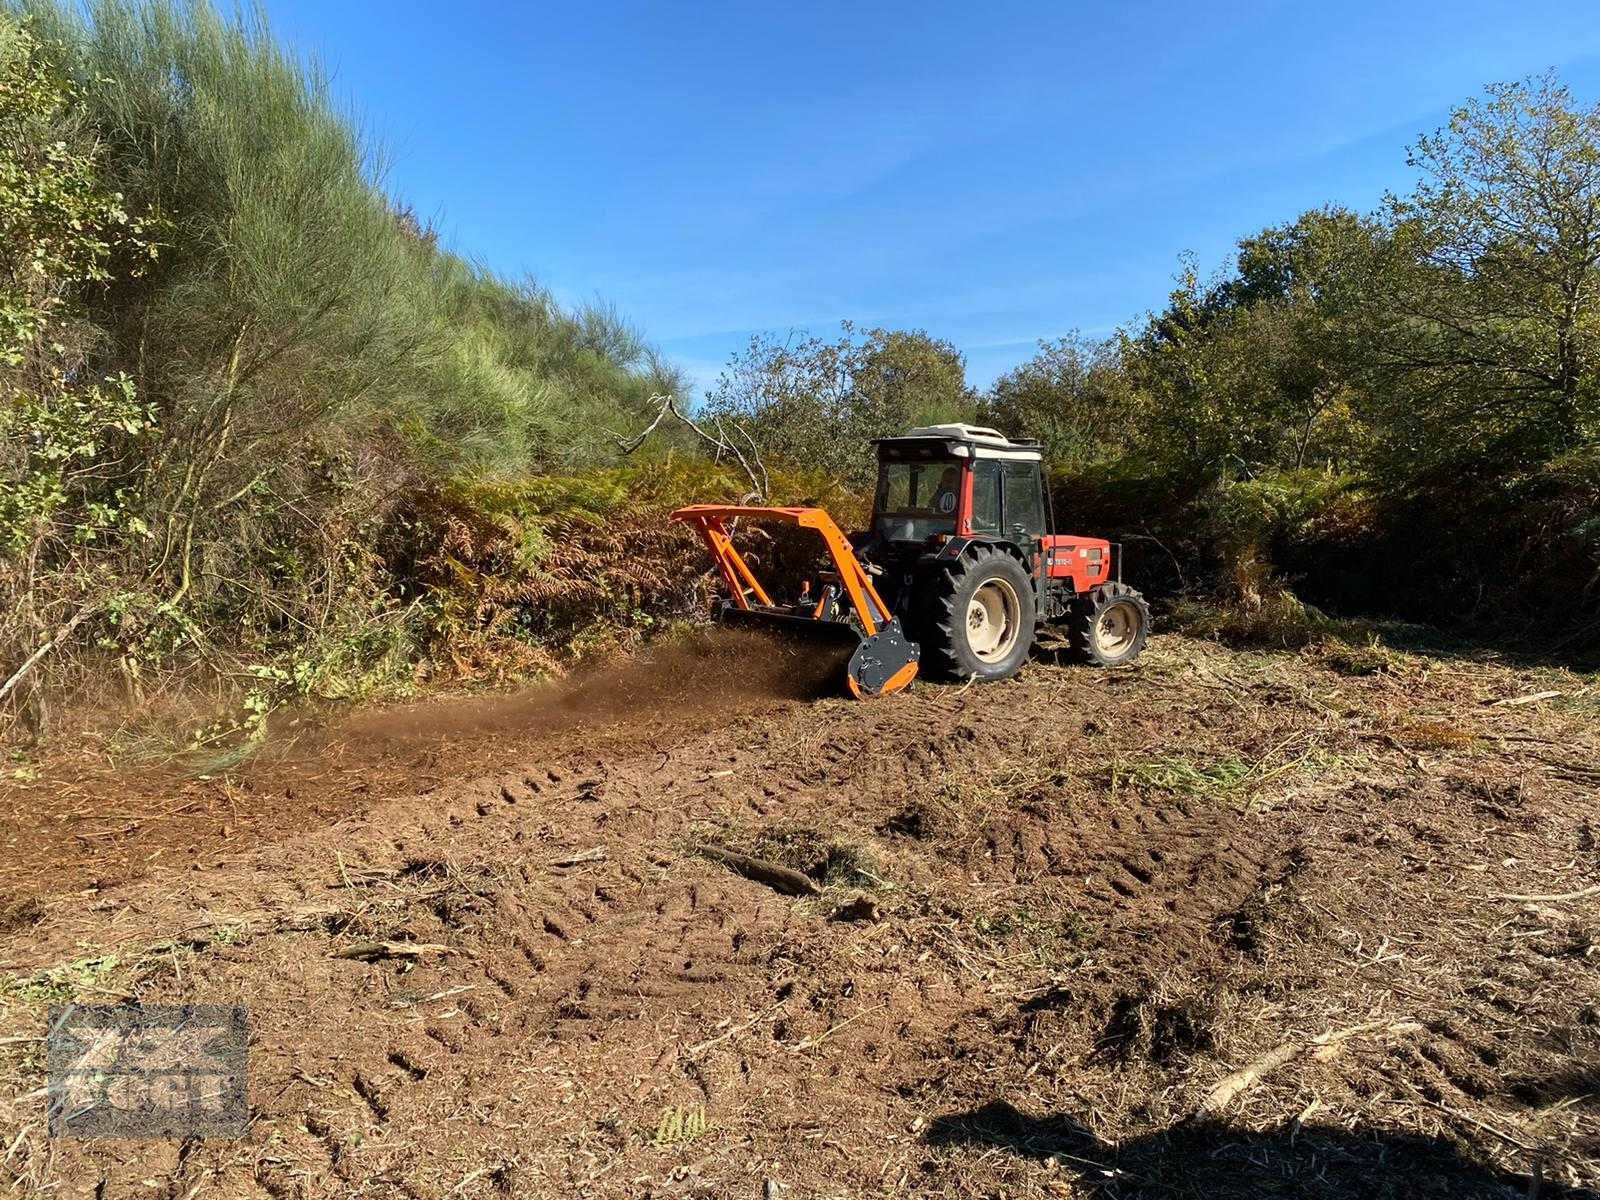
[
  {"x": 581, "y": 1002},
  {"x": 592, "y": 961}
]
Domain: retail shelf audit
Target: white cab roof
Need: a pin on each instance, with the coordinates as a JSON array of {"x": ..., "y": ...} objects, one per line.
[{"x": 986, "y": 442}]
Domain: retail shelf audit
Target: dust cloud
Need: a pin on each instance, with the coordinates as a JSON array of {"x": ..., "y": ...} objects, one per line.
[{"x": 705, "y": 673}]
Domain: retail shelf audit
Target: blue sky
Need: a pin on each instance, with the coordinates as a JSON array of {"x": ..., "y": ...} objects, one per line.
[{"x": 994, "y": 173}]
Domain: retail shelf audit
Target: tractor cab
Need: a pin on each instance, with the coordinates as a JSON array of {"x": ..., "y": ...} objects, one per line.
[{"x": 949, "y": 481}]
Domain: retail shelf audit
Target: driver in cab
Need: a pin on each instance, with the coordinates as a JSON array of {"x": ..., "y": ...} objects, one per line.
[{"x": 945, "y": 496}]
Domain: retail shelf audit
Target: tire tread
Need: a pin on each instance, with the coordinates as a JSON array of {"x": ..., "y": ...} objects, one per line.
[
  {"x": 940, "y": 621},
  {"x": 1086, "y": 610}
]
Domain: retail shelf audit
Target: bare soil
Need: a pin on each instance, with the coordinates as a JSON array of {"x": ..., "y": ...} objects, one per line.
[{"x": 1220, "y": 924}]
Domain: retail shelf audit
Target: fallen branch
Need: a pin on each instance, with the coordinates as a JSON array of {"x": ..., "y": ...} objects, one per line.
[
  {"x": 811, "y": 1042},
  {"x": 294, "y": 920},
  {"x": 137, "y": 822},
  {"x": 1248, "y": 1076},
  {"x": 1572, "y": 770},
  {"x": 598, "y": 854},
  {"x": 376, "y": 950},
  {"x": 454, "y": 991},
  {"x": 1323, "y": 1047},
  {"x": 702, "y": 1047},
  {"x": 779, "y": 879},
  {"x": 1593, "y": 890},
  {"x": 1471, "y": 1120},
  {"x": 1532, "y": 698}
]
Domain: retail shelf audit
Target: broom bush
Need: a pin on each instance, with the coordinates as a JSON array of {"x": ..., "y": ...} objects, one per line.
[{"x": 260, "y": 359}]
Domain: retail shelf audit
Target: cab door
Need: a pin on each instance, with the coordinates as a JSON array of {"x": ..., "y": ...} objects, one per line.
[
  {"x": 1023, "y": 497},
  {"x": 1007, "y": 503},
  {"x": 1024, "y": 501}
]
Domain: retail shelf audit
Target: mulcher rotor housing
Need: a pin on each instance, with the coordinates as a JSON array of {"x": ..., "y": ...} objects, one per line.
[{"x": 958, "y": 572}]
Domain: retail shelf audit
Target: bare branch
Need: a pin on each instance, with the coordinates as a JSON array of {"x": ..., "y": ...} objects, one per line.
[
  {"x": 721, "y": 443},
  {"x": 61, "y": 635}
]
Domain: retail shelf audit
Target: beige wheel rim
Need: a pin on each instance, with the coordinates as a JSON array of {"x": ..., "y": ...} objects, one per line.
[
  {"x": 994, "y": 618},
  {"x": 1117, "y": 628}
]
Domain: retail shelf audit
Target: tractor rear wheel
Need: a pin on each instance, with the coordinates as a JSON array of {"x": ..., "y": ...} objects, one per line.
[
  {"x": 979, "y": 618},
  {"x": 1109, "y": 625}
]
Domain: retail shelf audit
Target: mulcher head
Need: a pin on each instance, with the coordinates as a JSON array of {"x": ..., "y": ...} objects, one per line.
[{"x": 847, "y": 617}]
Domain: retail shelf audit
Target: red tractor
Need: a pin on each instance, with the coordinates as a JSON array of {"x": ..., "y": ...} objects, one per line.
[{"x": 960, "y": 568}]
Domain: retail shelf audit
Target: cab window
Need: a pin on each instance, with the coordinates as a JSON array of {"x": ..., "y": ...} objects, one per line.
[
  {"x": 917, "y": 500},
  {"x": 986, "y": 496},
  {"x": 1024, "y": 504}
]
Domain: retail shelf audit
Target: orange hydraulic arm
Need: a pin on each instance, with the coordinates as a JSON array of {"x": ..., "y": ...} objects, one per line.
[
  {"x": 743, "y": 587},
  {"x": 883, "y": 659}
]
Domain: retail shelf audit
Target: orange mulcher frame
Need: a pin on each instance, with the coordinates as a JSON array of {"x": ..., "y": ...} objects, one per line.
[{"x": 883, "y": 660}]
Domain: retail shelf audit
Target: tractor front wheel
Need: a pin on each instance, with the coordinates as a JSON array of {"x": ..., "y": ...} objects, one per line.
[
  {"x": 980, "y": 618},
  {"x": 1109, "y": 625}
]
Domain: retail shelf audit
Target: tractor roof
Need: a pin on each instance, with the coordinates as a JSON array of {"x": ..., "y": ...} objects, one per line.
[{"x": 963, "y": 441}]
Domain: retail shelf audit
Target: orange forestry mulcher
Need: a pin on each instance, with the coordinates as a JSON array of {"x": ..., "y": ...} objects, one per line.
[
  {"x": 959, "y": 570},
  {"x": 883, "y": 660}
]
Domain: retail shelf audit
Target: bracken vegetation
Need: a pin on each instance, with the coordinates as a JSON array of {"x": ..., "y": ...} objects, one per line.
[{"x": 264, "y": 437}]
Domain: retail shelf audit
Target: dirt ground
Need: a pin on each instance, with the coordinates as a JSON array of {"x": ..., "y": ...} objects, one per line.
[{"x": 1221, "y": 924}]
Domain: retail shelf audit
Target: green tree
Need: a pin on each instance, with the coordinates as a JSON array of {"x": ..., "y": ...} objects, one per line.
[
  {"x": 1304, "y": 295},
  {"x": 1266, "y": 367},
  {"x": 66, "y": 425},
  {"x": 818, "y": 403},
  {"x": 1195, "y": 383},
  {"x": 905, "y": 378},
  {"x": 1073, "y": 397},
  {"x": 1494, "y": 330}
]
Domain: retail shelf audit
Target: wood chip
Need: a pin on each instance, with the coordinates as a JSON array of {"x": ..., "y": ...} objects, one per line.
[{"x": 862, "y": 908}]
